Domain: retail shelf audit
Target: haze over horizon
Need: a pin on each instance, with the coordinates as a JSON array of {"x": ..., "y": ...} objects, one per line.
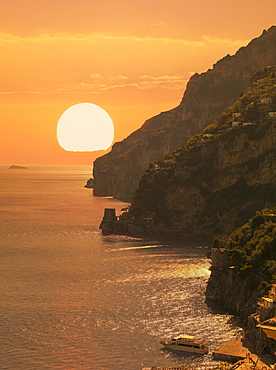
[{"x": 132, "y": 59}]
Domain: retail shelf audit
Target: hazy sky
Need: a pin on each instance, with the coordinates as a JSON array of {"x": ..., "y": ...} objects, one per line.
[{"x": 133, "y": 58}]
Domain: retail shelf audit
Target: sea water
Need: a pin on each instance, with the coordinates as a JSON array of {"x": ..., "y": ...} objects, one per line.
[{"x": 72, "y": 298}]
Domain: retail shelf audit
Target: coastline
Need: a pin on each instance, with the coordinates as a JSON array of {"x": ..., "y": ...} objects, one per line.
[{"x": 243, "y": 351}]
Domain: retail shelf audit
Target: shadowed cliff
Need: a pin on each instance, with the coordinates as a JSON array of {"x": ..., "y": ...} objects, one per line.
[
  {"x": 220, "y": 178},
  {"x": 206, "y": 97},
  {"x": 242, "y": 273}
]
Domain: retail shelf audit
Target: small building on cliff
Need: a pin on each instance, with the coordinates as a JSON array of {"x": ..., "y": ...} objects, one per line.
[
  {"x": 269, "y": 327},
  {"x": 266, "y": 100},
  {"x": 124, "y": 223},
  {"x": 267, "y": 305},
  {"x": 235, "y": 116},
  {"x": 109, "y": 221}
]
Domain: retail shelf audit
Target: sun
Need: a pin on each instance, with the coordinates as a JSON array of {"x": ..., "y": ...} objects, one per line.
[{"x": 85, "y": 127}]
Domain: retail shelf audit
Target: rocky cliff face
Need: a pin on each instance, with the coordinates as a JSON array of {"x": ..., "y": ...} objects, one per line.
[
  {"x": 207, "y": 95},
  {"x": 118, "y": 172},
  {"x": 213, "y": 188},
  {"x": 242, "y": 273},
  {"x": 217, "y": 181},
  {"x": 230, "y": 289}
]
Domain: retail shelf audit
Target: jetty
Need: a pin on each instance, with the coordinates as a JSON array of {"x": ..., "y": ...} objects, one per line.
[
  {"x": 232, "y": 351},
  {"x": 235, "y": 352}
]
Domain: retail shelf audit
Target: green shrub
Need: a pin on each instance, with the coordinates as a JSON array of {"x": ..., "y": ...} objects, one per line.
[{"x": 211, "y": 129}]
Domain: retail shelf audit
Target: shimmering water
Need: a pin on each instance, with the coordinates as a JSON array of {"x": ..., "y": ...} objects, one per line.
[{"x": 72, "y": 298}]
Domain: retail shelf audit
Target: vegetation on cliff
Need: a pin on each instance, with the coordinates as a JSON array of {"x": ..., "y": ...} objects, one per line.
[
  {"x": 150, "y": 196},
  {"x": 239, "y": 283},
  {"x": 252, "y": 106},
  {"x": 253, "y": 246},
  {"x": 218, "y": 180},
  {"x": 207, "y": 95}
]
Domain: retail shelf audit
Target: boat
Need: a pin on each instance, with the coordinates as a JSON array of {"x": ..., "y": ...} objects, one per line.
[{"x": 185, "y": 343}]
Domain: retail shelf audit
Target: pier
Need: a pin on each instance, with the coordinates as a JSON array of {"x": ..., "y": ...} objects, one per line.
[
  {"x": 243, "y": 359},
  {"x": 232, "y": 351}
]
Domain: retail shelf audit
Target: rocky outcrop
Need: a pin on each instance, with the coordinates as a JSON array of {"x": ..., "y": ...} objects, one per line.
[
  {"x": 238, "y": 292},
  {"x": 210, "y": 189},
  {"x": 207, "y": 95},
  {"x": 118, "y": 172},
  {"x": 230, "y": 289},
  {"x": 243, "y": 270},
  {"x": 89, "y": 183},
  {"x": 217, "y": 181},
  {"x": 233, "y": 177}
]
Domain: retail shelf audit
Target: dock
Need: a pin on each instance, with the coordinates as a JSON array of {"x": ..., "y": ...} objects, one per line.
[
  {"x": 243, "y": 359},
  {"x": 232, "y": 351}
]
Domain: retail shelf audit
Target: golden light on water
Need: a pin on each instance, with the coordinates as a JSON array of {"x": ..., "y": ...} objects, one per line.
[{"x": 173, "y": 270}]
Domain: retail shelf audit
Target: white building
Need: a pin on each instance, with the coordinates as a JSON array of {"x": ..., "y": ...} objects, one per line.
[{"x": 266, "y": 100}]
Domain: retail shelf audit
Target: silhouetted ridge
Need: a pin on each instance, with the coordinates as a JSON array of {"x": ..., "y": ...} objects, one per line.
[{"x": 207, "y": 95}]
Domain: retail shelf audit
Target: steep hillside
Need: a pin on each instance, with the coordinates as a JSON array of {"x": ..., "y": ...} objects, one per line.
[
  {"x": 252, "y": 257},
  {"x": 221, "y": 177},
  {"x": 243, "y": 270},
  {"x": 207, "y": 95}
]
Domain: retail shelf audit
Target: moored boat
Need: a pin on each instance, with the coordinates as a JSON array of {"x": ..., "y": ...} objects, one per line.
[{"x": 185, "y": 343}]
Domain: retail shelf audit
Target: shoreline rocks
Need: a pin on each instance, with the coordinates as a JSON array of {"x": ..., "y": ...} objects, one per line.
[{"x": 89, "y": 183}]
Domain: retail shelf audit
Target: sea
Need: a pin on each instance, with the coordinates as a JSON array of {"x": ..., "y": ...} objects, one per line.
[{"x": 72, "y": 298}]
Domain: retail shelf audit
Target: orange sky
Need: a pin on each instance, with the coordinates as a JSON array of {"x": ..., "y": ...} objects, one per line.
[{"x": 133, "y": 58}]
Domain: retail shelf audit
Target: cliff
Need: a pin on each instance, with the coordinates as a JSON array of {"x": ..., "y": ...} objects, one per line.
[
  {"x": 220, "y": 178},
  {"x": 207, "y": 95},
  {"x": 242, "y": 272}
]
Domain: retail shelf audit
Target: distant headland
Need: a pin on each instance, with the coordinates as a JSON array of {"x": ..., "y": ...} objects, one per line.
[{"x": 14, "y": 167}]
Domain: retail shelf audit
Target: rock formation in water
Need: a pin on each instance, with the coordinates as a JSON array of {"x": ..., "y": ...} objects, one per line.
[
  {"x": 207, "y": 95},
  {"x": 220, "y": 178},
  {"x": 89, "y": 184}
]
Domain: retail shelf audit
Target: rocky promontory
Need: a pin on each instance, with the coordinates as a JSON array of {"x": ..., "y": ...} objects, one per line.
[
  {"x": 220, "y": 178},
  {"x": 207, "y": 95},
  {"x": 243, "y": 277}
]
